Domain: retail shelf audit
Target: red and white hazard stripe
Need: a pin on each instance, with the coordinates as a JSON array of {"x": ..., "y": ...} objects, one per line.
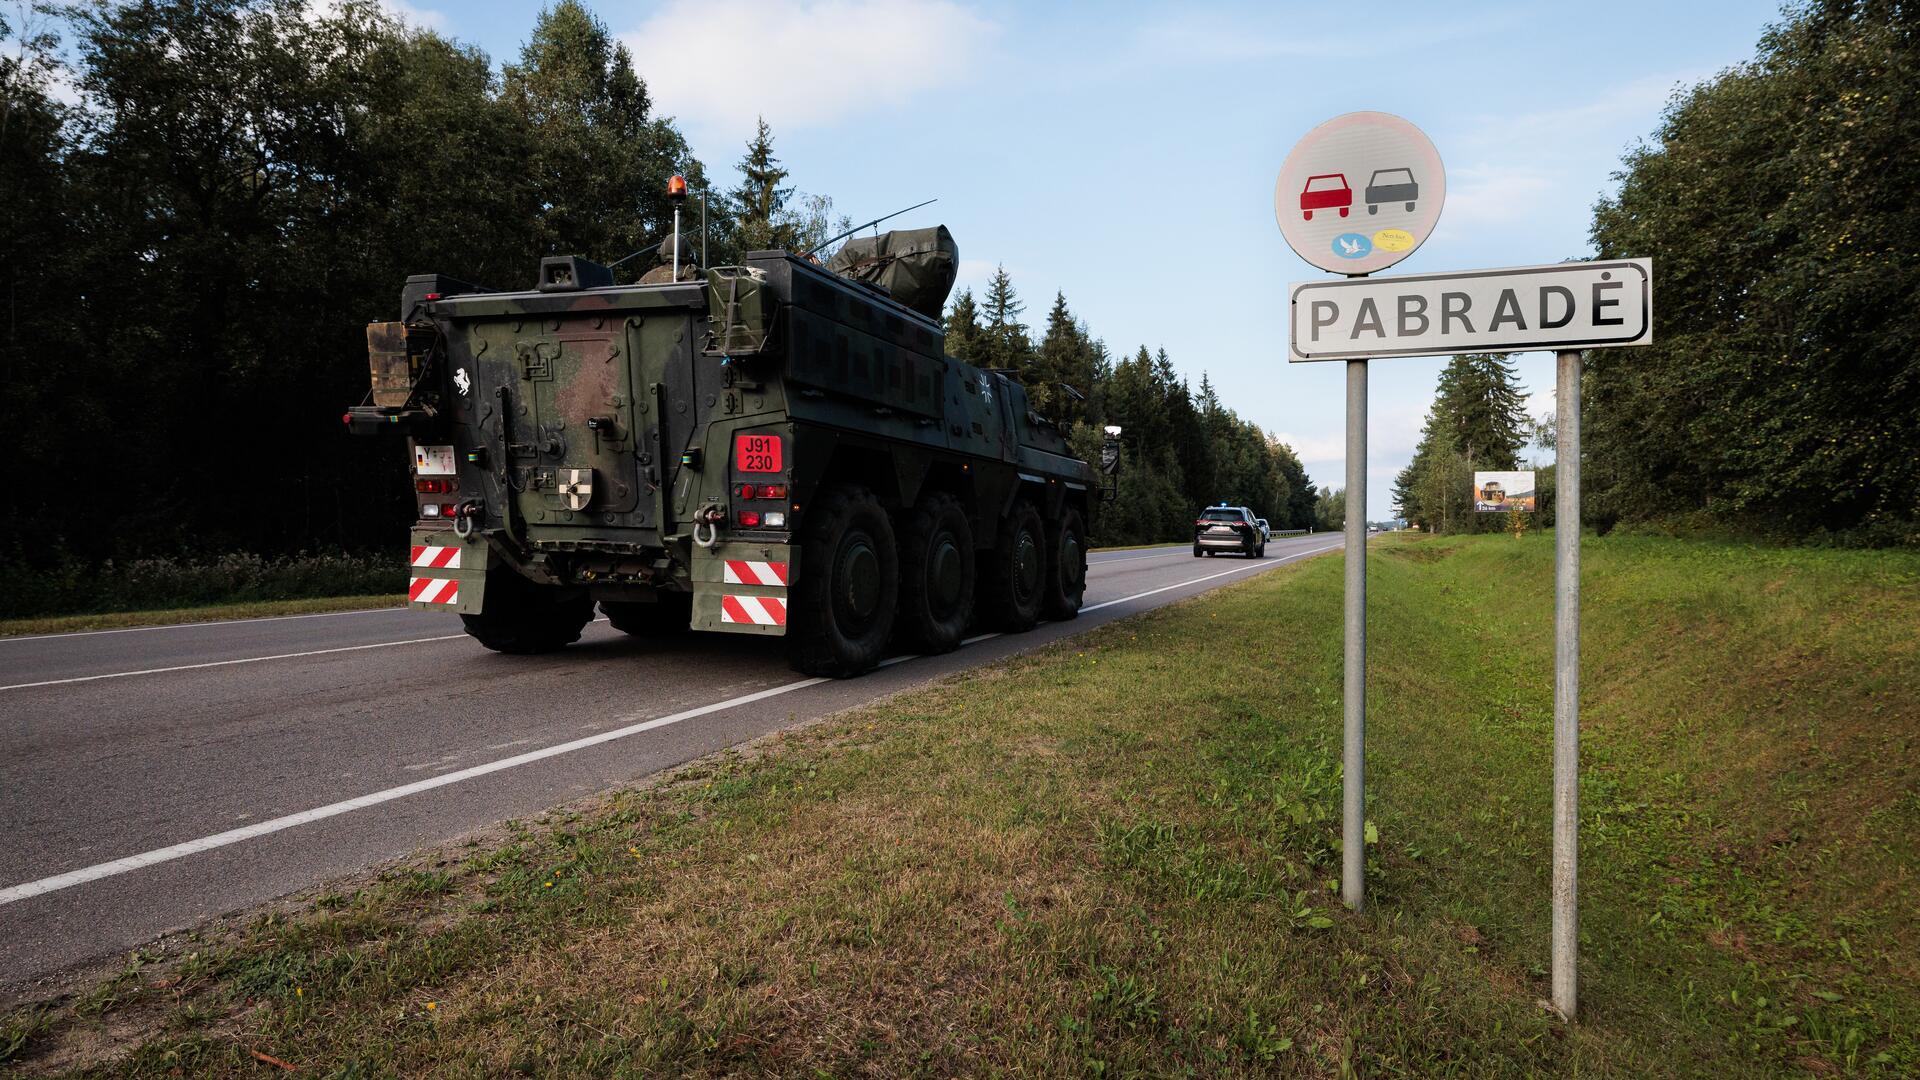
[
  {"x": 741, "y": 572},
  {"x": 436, "y": 558},
  {"x": 753, "y": 610},
  {"x": 433, "y": 590}
]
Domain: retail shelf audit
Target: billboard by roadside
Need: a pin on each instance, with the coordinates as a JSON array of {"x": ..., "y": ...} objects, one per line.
[{"x": 1499, "y": 492}]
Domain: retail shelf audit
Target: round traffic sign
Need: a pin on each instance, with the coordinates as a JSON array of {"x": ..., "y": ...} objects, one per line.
[{"x": 1360, "y": 192}]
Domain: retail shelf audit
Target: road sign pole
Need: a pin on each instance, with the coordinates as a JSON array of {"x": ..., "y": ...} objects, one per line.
[
  {"x": 1353, "y": 850},
  {"x": 1566, "y": 685}
]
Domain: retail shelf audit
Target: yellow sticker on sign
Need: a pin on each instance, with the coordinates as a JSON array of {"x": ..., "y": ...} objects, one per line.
[{"x": 1393, "y": 239}]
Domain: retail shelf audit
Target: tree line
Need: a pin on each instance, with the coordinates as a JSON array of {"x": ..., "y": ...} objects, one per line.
[
  {"x": 1782, "y": 392},
  {"x": 1182, "y": 448},
  {"x": 207, "y": 200},
  {"x": 1781, "y": 395}
]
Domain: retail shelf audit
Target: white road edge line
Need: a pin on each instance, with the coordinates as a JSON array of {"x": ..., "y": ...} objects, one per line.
[
  {"x": 262, "y": 828},
  {"x": 97, "y": 871},
  {"x": 1236, "y": 570}
]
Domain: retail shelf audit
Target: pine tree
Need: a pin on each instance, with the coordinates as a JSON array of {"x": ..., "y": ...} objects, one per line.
[
  {"x": 965, "y": 340},
  {"x": 1486, "y": 409},
  {"x": 1006, "y": 336},
  {"x": 760, "y": 202}
]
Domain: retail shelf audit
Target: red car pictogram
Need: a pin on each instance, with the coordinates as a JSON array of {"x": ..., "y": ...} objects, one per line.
[{"x": 1326, "y": 196}]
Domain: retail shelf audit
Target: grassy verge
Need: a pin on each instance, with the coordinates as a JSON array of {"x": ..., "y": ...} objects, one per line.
[
  {"x": 1116, "y": 857},
  {"x": 113, "y": 620}
]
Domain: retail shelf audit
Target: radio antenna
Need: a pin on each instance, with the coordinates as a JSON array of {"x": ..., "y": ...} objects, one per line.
[
  {"x": 863, "y": 225},
  {"x": 643, "y": 251}
]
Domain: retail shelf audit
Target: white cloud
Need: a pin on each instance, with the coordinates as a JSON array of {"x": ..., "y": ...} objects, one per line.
[
  {"x": 424, "y": 18},
  {"x": 1527, "y": 167},
  {"x": 1318, "y": 448},
  {"x": 1199, "y": 37},
  {"x": 799, "y": 63},
  {"x": 1484, "y": 195}
]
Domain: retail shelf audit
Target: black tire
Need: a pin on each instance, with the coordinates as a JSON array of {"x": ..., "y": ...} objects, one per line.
[
  {"x": 1066, "y": 567},
  {"x": 522, "y": 618},
  {"x": 1014, "y": 574},
  {"x": 843, "y": 600},
  {"x": 1197, "y": 552},
  {"x": 936, "y": 576},
  {"x": 1260, "y": 552},
  {"x": 669, "y": 615}
]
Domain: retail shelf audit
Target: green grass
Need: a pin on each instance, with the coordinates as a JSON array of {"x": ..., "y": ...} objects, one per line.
[
  {"x": 1116, "y": 857},
  {"x": 113, "y": 620}
]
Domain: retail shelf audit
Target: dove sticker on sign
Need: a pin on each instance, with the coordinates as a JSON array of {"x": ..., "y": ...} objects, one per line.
[{"x": 1360, "y": 192}]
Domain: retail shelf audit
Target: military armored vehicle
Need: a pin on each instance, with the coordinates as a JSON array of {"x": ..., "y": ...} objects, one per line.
[{"x": 776, "y": 448}]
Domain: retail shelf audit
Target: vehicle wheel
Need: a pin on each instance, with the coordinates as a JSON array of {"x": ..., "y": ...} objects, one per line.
[
  {"x": 1197, "y": 552},
  {"x": 936, "y": 575},
  {"x": 1344, "y": 209},
  {"x": 1409, "y": 208},
  {"x": 1260, "y": 552},
  {"x": 842, "y": 601},
  {"x": 1373, "y": 208},
  {"x": 668, "y": 615},
  {"x": 1066, "y": 585},
  {"x": 1015, "y": 571},
  {"x": 523, "y": 618}
]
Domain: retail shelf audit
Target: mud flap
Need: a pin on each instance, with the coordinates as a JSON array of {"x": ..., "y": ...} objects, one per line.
[
  {"x": 447, "y": 573},
  {"x": 740, "y": 587}
]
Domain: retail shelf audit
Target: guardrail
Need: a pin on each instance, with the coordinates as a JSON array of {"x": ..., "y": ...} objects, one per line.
[{"x": 1289, "y": 532}]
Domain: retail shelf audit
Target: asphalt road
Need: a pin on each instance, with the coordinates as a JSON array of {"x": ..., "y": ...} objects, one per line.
[{"x": 156, "y": 778}]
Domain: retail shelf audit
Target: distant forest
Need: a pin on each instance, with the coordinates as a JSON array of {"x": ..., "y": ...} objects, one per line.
[{"x": 190, "y": 253}]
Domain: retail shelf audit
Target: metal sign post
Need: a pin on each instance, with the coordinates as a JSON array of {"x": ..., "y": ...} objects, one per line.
[
  {"x": 1353, "y": 806},
  {"x": 1566, "y": 683},
  {"x": 1356, "y": 195},
  {"x": 1566, "y": 308}
]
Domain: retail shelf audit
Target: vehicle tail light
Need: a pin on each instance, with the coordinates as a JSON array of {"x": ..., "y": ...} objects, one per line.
[
  {"x": 748, "y": 491},
  {"x": 436, "y": 487},
  {"x": 775, "y": 519},
  {"x": 749, "y": 519},
  {"x": 429, "y": 510},
  {"x": 773, "y": 491},
  {"x": 446, "y": 509}
]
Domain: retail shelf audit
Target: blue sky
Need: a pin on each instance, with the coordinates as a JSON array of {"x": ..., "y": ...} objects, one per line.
[{"x": 1125, "y": 154}]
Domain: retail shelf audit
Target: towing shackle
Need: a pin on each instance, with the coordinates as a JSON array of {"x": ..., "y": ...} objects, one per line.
[
  {"x": 465, "y": 514},
  {"x": 710, "y": 515}
]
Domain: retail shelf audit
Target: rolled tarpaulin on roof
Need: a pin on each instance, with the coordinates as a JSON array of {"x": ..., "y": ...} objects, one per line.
[{"x": 916, "y": 266}]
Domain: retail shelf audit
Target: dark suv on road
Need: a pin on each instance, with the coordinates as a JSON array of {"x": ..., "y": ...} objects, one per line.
[{"x": 1228, "y": 528}]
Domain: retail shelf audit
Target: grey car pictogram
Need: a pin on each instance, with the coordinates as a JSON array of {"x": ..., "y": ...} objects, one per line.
[{"x": 1391, "y": 186}]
